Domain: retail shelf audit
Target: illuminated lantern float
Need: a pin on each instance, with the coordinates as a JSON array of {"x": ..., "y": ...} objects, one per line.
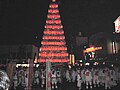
[
  {"x": 117, "y": 25},
  {"x": 53, "y": 42}
]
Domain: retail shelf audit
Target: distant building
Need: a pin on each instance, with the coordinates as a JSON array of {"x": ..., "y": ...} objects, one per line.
[
  {"x": 108, "y": 42},
  {"x": 100, "y": 40},
  {"x": 81, "y": 43},
  {"x": 17, "y": 52}
]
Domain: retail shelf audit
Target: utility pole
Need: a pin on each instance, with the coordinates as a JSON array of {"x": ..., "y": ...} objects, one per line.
[{"x": 48, "y": 75}]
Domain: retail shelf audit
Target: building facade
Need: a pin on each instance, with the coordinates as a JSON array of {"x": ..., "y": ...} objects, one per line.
[
  {"x": 18, "y": 53},
  {"x": 110, "y": 44},
  {"x": 81, "y": 44}
]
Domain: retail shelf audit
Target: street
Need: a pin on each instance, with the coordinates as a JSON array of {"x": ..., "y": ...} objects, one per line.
[{"x": 72, "y": 86}]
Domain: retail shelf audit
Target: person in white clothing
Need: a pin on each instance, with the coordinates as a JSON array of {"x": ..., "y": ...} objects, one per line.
[
  {"x": 88, "y": 78},
  {"x": 95, "y": 78},
  {"x": 107, "y": 79},
  {"x": 67, "y": 75},
  {"x": 113, "y": 77},
  {"x": 36, "y": 77},
  {"x": 58, "y": 77},
  {"x": 26, "y": 82},
  {"x": 79, "y": 80},
  {"x": 15, "y": 80},
  {"x": 73, "y": 76},
  {"x": 21, "y": 77},
  {"x": 100, "y": 76},
  {"x": 43, "y": 78},
  {"x": 83, "y": 75},
  {"x": 54, "y": 79}
]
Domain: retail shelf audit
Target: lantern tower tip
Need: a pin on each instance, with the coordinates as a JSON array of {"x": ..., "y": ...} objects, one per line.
[{"x": 53, "y": 0}]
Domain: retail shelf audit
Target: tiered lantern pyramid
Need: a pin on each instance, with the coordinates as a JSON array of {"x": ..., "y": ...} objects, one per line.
[{"x": 53, "y": 41}]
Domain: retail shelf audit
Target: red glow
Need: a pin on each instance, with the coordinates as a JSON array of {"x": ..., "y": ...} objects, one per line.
[
  {"x": 53, "y": 16},
  {"x": 53, "y": 6},
  {"x": 53, "y": 21},
  {"x": 54, "y": 37},
  {"x": 54, "y": 54},
  {"x": 53, "y": 11},
  {"x": 53, "y": 0},
  {"x": 53, "y": 60},
  {"x": 53, "y": 26},
  {"x": 53, "y": 43},
  {"x": 53, "y": 48},
  {"x": 54, "y": 32}
]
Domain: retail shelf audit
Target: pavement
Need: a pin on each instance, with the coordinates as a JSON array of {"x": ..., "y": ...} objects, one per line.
[{"x": 72, "y": 86}]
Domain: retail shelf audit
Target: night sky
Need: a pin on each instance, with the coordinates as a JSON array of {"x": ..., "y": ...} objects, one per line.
[{"x": 23, "y": 21}]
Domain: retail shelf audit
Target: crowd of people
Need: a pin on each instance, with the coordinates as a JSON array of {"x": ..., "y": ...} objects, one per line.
[
  {"x": 89, "y": 76},
  {"x": 94, "y": 77}
]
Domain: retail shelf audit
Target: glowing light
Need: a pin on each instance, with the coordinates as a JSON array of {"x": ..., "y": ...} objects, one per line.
[
  {"x": 103, "y": 62},
  {"x": 87, "y": 64},
  {"x": 53, "y": 16},
  {"x": 81, "y": 61},
  {"x": 53, "y": 11},
  {"x": 54, "y": 26},
  {"x": 92, "y": 49},
  {"x": 112, "y": 65},
  {"x": 96, "y": 63},
  {"x": 53, "y": 54},
  {"x": 37, "y": 65},
  {"x": 54, "y": 37},
  {"x": 114, "y": 49},
  {"x": 69, "y": 66},
  {"x": 72, "y": 59},
  {"x": 52, "y": 43},
  {"x": 53, "y": 21},
  {"x": 23, "y": 65},
  {"x": 53, "y": 49},
  {"x": 53, "y": 32},
  {"x": 117, "y": 25},
  {"x": 53, "y": 0},
  {"x": 54, "y": 60},
  {"x": 53, "y": 6}
]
